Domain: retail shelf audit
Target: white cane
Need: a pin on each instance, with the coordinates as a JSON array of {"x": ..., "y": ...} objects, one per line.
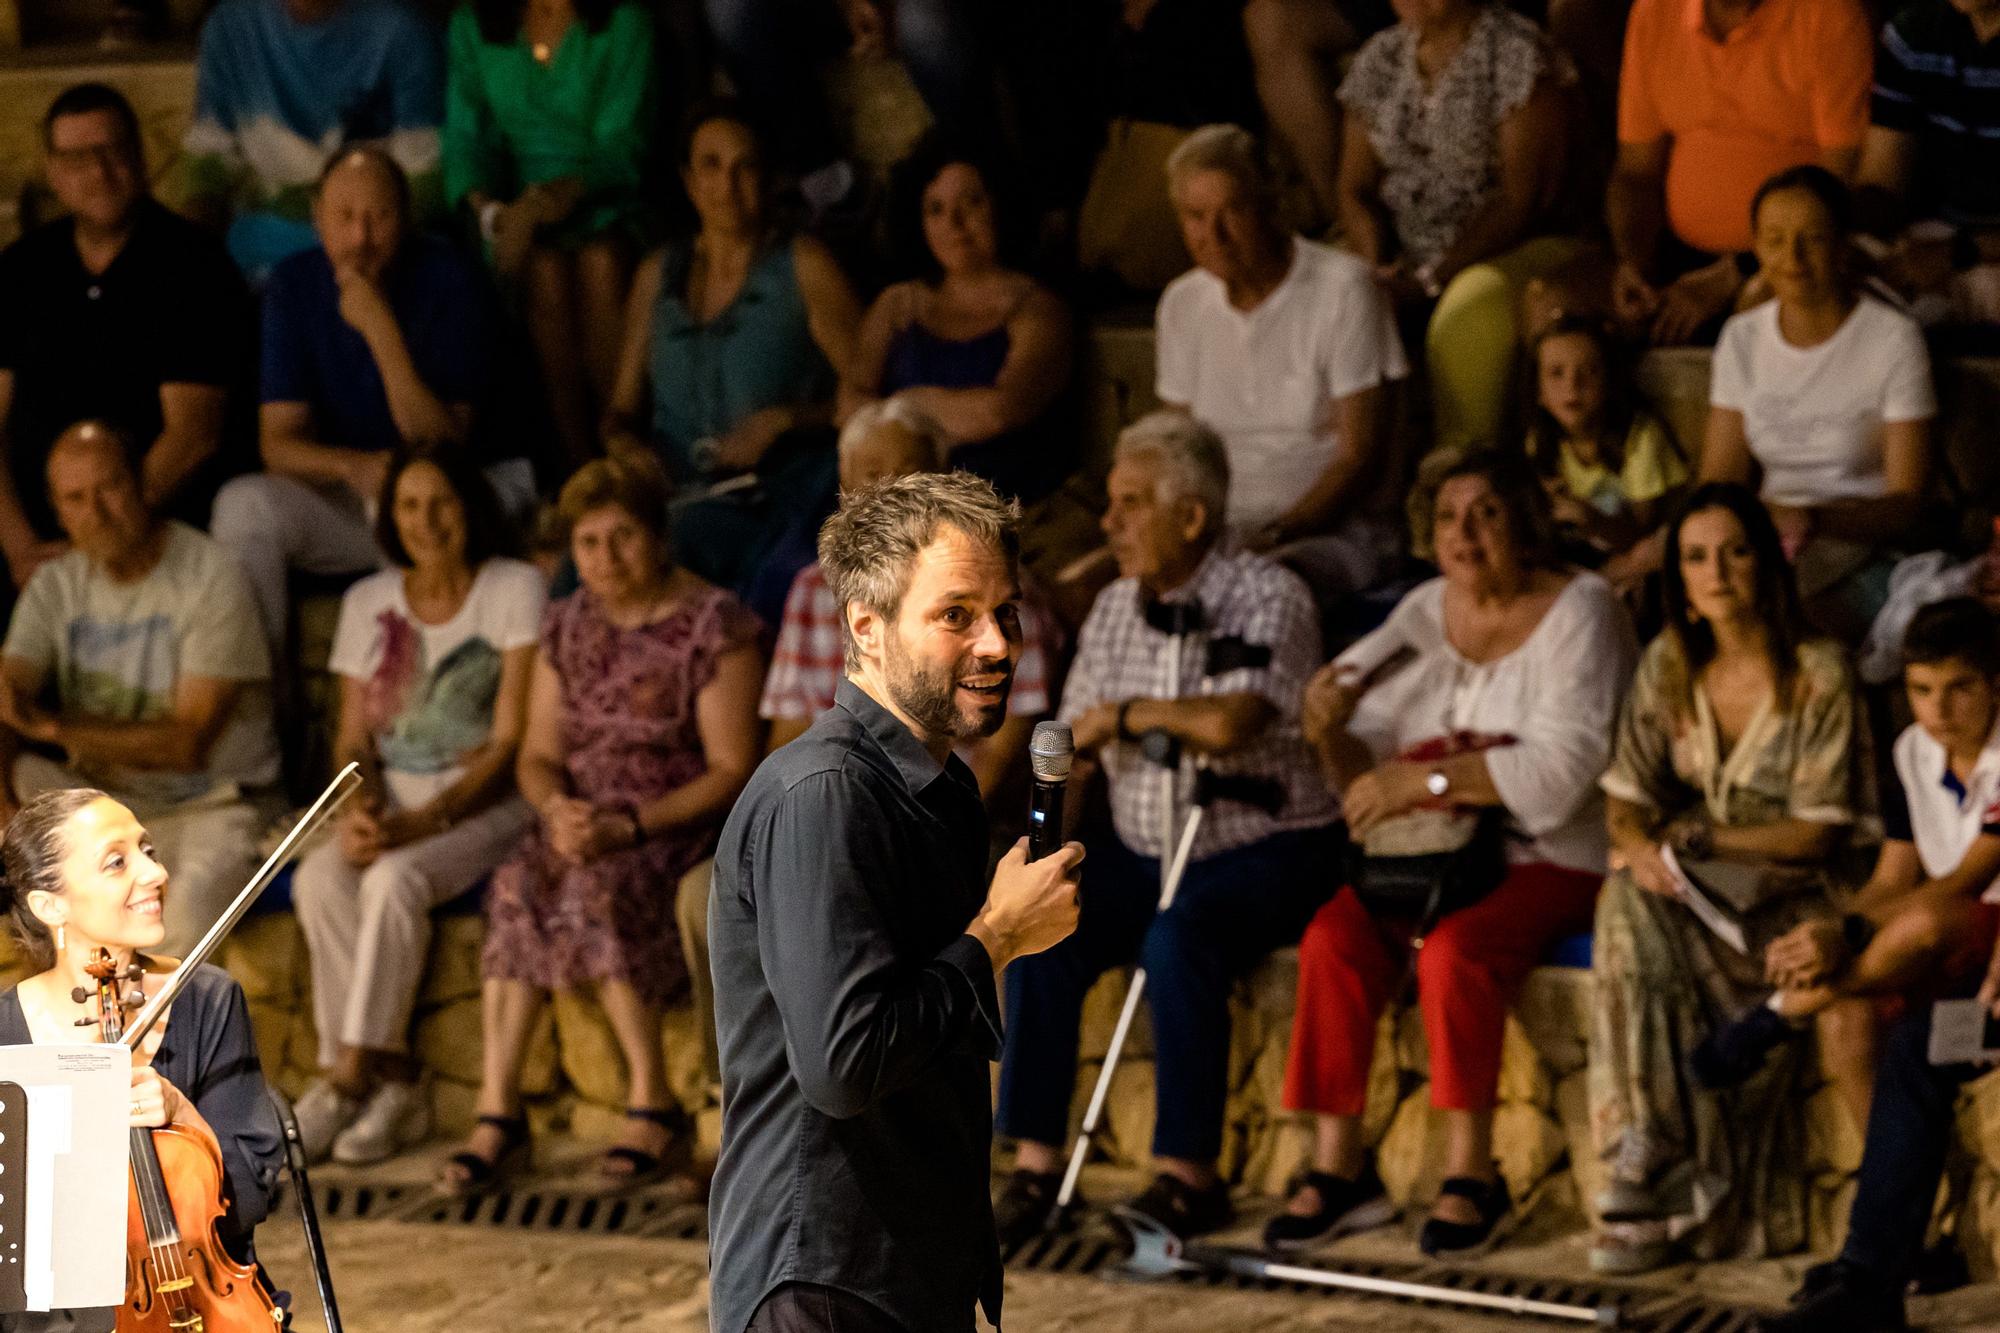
[
  {"x": 1171, "y": 872},
  {"x": 1171, "y": 869}
]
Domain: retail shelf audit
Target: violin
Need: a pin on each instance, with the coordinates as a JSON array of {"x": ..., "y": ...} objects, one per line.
[{"x": 178, "y": 1278}]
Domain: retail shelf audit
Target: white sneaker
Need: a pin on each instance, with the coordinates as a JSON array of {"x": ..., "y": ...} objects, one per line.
[
  {"x": 323, "y": 1111},
  {"x": 398, "y": 1116}
]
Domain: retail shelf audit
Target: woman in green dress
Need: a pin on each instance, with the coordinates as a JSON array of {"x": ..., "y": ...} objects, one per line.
[
  {"x": 1741, "y": 760},
  {"x": 548, "y": 119}
]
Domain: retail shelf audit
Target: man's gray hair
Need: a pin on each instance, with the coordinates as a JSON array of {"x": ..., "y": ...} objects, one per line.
[
  {"x": 898, "y": 411},
  {"x": 1232, "y": 150},
  {"x": 868, "y": 548},
  {"x": 1191, "y": 457}
]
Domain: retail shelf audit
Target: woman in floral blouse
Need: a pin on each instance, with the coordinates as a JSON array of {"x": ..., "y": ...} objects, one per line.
[{"x": 1455, "y": 141}]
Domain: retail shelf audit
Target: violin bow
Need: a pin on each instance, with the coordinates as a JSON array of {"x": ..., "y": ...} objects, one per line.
[{"x": 345, "y": 783}]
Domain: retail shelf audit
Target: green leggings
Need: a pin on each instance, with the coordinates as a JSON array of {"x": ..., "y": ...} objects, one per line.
[{"x": 1473, "y": 339}]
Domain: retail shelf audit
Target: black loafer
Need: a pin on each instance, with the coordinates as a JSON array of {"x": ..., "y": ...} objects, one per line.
[
  {"x": 1844, "y": 1299},
  {"x": 1345, "y": 1207},
  {"x": 1732, "y": 1054},
  {"x": 1177, "y": 1207},
  {"x": 1464, "y": 1239},
  {"x": 1024, "y": 1208}
]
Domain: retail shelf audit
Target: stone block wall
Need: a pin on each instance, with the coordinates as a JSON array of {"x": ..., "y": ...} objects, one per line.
[{"x": 1542, "y": 1134}]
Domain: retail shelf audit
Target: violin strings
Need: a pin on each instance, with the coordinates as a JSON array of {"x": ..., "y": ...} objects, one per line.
[{"x": 156, "y": 1210}]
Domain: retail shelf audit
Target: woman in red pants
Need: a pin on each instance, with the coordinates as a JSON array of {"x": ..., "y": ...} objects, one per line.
[{"x": 1514, "y": 666}]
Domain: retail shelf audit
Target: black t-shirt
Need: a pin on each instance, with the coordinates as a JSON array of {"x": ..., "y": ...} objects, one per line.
[{"x": 170, "y": 309}]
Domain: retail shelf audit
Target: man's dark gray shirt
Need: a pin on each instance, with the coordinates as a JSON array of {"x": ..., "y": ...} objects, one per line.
[{"x": 856, "y": 1022}]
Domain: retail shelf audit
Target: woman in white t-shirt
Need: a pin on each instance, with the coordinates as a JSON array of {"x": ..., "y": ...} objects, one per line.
[
  {"x": 1826, "y": 392},
  {"x": 434, "y": 656}
]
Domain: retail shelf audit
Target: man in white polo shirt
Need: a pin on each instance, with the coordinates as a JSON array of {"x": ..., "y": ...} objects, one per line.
[{"x": 1284, "y": 347}]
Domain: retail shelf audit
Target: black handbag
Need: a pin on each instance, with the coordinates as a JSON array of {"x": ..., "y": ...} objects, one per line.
[{"x": 1426, "y": 864}]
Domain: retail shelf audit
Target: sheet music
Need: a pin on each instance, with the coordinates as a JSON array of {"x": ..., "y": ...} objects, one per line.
[
  {"x": 78, "y": 1161},
  {"x": 1703, "y": 907}
]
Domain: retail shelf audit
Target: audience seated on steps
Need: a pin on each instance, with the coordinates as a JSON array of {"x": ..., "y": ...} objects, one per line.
[
  {"x": 1923, "y": 929},
  {"x": 1927, "y": 179},
  {"x": 1458, "y": 132},
  {"x": 642, "y": 728},
  {"x": 144, "y": 636},
  {"x": 125, "y": 314},
  {"x": 1467, "y": 706},
  {"x": 981, "y": 346},
  {"x": 375, "y": 338},
  {"x": 1285, "y": 348},
  {"x": 281, "y": 85},
  {"x": 1143, "y": 696},
  {"x": 733, "y": 344},
  {"x": 1823, "y": 395},
  {"x": 433, "y": 656},
  {"x": 1743, "y": 752},
  {"x": 890, "y": 437},
  {"x": 548, "y": 127},
  {"x": 1715, "y": 96}
]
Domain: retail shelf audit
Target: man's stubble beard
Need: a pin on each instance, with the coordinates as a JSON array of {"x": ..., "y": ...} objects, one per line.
[{"x": 930, "y": 699}]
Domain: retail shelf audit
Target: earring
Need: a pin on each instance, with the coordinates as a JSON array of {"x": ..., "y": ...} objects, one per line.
[{"x": 61, "y": 939}]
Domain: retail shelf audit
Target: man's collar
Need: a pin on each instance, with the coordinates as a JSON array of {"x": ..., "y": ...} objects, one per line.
[
  {"x": 1694, "y": 17},
  {"x": 905, "y": 751},
  {"x": 1189, "y": 588}
]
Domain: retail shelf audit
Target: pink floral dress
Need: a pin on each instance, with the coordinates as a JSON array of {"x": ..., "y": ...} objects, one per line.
[{"x": 629, "y": 728}]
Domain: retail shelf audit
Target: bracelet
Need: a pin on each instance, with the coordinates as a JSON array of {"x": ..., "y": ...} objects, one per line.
[{"x": 489, "y": 219}]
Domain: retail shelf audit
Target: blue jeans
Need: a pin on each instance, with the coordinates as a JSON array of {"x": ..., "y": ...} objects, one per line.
[
  {"x": 773, "y": 50},
  {"x": 1232, "y": 909},
  {"x": 1909, "y": 1132}
]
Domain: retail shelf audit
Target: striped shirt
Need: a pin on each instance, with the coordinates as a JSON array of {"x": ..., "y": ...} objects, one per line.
[{"x": 1936, "y": 81}]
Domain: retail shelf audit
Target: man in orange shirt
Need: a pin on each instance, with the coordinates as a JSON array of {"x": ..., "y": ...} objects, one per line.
[{"x": 1716, "y": 96}]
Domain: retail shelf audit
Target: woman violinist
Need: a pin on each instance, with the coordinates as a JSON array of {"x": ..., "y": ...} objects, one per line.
[{"x": 78, "y": 880}]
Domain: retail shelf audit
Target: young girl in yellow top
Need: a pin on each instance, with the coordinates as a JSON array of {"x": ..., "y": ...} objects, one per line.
[{"x": 1610, "y": 466}]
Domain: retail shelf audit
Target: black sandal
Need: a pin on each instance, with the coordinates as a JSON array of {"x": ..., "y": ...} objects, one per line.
[
  {"x": 640, "y": 1167},
  {"x": 1464, "y": 1239},
  {"x": 484, "y": 1173}
]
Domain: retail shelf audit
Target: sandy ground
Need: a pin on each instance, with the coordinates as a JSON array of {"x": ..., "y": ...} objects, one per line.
[{"x": 417, "y": 1277}]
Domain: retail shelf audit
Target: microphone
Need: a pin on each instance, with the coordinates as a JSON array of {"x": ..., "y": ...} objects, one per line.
[{"x": 1051, "y": 751}]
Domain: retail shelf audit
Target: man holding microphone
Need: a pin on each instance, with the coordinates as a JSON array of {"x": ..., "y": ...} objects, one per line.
[{"x": 855, "y": 943}]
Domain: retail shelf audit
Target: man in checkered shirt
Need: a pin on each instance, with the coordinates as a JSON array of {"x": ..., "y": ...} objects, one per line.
[
  {"x": 889, "y": 438},
  {"x": 1225, "y": 695}
]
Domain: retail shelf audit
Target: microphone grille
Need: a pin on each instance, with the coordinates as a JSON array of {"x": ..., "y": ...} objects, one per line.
[{"x": 1051, "y": 751}]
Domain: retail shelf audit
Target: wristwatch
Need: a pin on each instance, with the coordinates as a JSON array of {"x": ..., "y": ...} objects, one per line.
[{"x": 1437, "y": 784}]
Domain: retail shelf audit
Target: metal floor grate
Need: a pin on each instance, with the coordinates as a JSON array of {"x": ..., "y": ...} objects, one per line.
[
  {"x": 1099, "y": 1253},
  {"x": 1092, "y": 1252},
  {"x": 656, "y": 1215}
]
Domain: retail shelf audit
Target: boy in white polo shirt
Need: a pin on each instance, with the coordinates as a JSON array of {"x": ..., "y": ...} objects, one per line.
[{"x": 1927, "y": 916}]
